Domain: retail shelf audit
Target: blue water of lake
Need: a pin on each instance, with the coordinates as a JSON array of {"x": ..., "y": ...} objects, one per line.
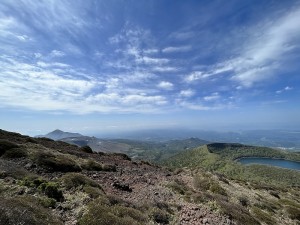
[{"x": 272, "y": 162}]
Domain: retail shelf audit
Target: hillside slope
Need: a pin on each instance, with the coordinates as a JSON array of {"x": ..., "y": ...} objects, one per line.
[
  {"x": 51, "y": 182},
  {"x": 143, "y": 150},
  {"x": 58, "y": 183}
]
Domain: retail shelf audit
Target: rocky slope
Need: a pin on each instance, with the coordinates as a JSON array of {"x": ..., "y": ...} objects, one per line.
[{"x": 48, "y": 182}]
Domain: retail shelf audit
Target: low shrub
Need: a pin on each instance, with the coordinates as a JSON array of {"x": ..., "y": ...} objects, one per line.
[
  {"x": 177, "y": 187},
  {"x": 25, "y": 210},
  {"x": 32, "y": 181},
  {"x": 53, "y": 163},
  {"x": 101, "y": 212},
  {"x": 160, "y": 216},
  {"x": 109, "y": 168},
  {"x": 201, "y": 197},
  {"x": 91, "y": 165},
  {"x": 275, "y": 194},
  {"x": 263, "y": 216},
  {"x": 237, "y": 213},
  {"x": 217, "y": 189},
  {"x": 31, "y": 140},
  {"x": 74, "y": 180},
  {"x": 289, "y": 203},
  {"x": 11, "y": 169},
  {"x": 15, "y": 153},
  {"x": 51, "y": 190},
  {"x": 123, "y": 211},
  {"x": 294, "y": 213},
  {"x": 201, "y": 183},
  {"x": 86, "y": 149},
  {"x": 47, "y": 202},
  {"x": 93, "y": 192},
  {"x": 6, "y": 145},
  {"x": 266, "y": 205},
  {"x": 122, "y": 156},
  {"x": 243, "y": 201}
]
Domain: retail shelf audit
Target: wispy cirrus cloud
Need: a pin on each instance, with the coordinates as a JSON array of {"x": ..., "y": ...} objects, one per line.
[
  {"x": 173, "y": 49},
  {"x": 264, "y": 53},
  {"x": 196, "y": 75},
  {"x": 287, "y": 88},
  {"x": 39, "y": 87},
  {"x": 57, "y": 53},
  {"x": 84, "y": 53},
  {"x": 212, "y": 97}
]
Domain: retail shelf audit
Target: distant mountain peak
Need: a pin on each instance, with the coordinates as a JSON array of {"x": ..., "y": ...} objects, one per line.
[
  {"x": 57, "y": 131},
  {"x": 58, "y": 134}
]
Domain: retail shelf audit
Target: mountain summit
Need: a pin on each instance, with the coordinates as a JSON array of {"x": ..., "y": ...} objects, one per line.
[{"x": 59, "y": 134}]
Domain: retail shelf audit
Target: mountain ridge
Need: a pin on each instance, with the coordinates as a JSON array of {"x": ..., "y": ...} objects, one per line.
[{"x": 58, "y": 134}]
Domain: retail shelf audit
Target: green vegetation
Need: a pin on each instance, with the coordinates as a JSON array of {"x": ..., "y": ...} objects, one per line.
[
  {"x": 91, "y": 165},
  {"x": 238, "y": 213},
  {"x": 25, "y": 210},
  {"x": 39, "y": 177},
  {"x": 234, "y": 151},
  {"x": 109, "y": 168},
  {"x": 157, "y": 151},
  {"x": 59, "y": 162},
  {"x": 86, "y": 149},
  {"x": 15, "y": 153},
  {"x": 50, "y": 189},
  {"x": 223, "y": 163},
  {"x": 293, "y": 212},
  {"x": 11, "y": 169},
  {"x": 74, "y": 180},
  {"x": 177, "y": 187},
  {"x": 101, "y": 211},
  {"x": 160, "y": 216},
  {"x": 263, "y": 216},
  {"x": 11, "y": 150}
]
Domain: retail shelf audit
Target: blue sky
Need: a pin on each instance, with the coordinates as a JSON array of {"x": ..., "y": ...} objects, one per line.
[{"x": 92, "y": 66}]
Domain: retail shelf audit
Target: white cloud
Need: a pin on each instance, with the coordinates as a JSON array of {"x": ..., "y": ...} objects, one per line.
[
  {"x": 183, "y": 35},
  {"x": 199, "y": 106},
  {"x": 153, "y": 61},
  {"x": 212, "y": 97},
  {"x": 197, "y": 75},
  {"x": 287, "y": 88},
  {"x": 23, "y": 37},
  {"x": 150, "y": 51},
  {"x": 164, "y": 69},
  {"x": 263, "y": 53},
  {"x": 173, "y": 49},
  {"x": 165, "y": 85},
  {"x": 37, "y": 55},
  {"x": 53, "y": 64},
  {"x": 57, "y": 53},
  {"x": 38, "y": 89},
  {"x": 187, "y": 93}
]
